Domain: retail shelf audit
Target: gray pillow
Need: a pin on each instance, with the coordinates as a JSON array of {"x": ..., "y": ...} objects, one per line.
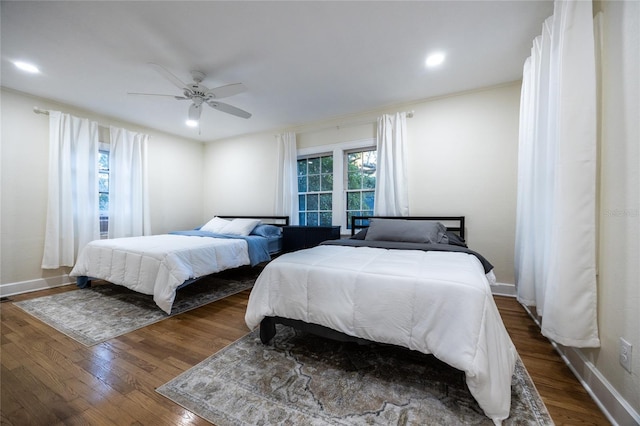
[
  {"x": 410, "y": 231},
  {"x": 361, "y": 235},
  {"x": 455, "y": 239}
]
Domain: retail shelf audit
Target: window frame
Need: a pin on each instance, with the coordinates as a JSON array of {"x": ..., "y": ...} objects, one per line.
[
  {"x": 104, "y": 147},
  {"x": 319, "y": 192},
  {"x": 338, "y": 150},
  {"x": 361, "y": 190}
]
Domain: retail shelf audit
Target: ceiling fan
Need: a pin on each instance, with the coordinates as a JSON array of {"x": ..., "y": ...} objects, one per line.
[{"x": 199, "y": 94}]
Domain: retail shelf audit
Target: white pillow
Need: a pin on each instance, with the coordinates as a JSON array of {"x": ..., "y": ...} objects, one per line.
[
  {"x": 240, "y": 226},
  {"x": 215, "y": 225}
]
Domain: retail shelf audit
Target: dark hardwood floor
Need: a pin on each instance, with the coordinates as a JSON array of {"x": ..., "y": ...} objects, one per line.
[{"x": 47, "y": 378}]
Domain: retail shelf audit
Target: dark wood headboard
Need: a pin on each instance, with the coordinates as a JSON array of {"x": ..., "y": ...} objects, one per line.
[
  {"x": 268, "y": 220},
  {"x": 453, "y": 223}
]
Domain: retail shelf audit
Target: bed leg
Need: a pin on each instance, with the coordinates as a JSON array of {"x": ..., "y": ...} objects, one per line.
[
  {"x": 267, "y": 329},
  {"x": 83, "y": 282}
]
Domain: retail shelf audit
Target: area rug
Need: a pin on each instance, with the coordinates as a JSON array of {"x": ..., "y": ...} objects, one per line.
[
  {"x": 105, "y": 310},
  {"x": 301, "y": 379}
]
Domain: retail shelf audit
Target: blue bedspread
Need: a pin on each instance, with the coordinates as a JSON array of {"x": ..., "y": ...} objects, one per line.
[{"x": 258, "y": 246}]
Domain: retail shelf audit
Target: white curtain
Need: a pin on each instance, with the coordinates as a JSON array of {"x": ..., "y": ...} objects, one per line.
[
  {"x": 128, "y": 186},
  {"x": 556, "y": 211},
  {"x": 287, "y": 181},
  {"x": 392, "y": 193},
  {"x": 73, "y": 208}
]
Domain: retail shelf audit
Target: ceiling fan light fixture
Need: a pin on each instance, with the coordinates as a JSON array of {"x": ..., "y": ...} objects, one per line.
[
  {"x": 27, "y": 67},
  {"x": 435, "y": 59},
  {"x": 192, "y": 123},
  {"x": 194, "y": 111}
]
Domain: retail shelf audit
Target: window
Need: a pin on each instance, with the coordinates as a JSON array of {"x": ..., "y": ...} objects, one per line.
[
  {"x": 103, "y": 189},
  {"x": 315, "y": 191},
  {"x": 336, "y": 182},
  {"x": 361, "y": 183}
]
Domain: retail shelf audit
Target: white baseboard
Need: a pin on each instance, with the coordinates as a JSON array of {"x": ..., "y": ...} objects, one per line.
[
  {"x": 612, "y": 404},
  {"x": 617, "y": 410},
  {"x": 11, "y": 289},
  {"x": 503, "y": 289}
]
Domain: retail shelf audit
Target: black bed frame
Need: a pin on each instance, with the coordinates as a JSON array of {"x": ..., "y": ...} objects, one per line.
[
  {"x": 268, "y": 324},
  {"x": 453, "y": 223}
]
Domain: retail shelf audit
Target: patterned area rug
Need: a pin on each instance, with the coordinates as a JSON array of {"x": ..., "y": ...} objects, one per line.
[
  {"x": 106, "y": 310},
  {"x": 303, "y": 379}
]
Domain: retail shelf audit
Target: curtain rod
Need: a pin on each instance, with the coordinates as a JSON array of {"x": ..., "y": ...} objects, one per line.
[{"x": 39, "y": 110}]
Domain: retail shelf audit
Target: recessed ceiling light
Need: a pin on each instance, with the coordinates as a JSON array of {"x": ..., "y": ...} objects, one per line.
[
  {"x": 435, "y": 59},
  {"x": 25, "y": 66},
  {"x": 192, "y": 123}
]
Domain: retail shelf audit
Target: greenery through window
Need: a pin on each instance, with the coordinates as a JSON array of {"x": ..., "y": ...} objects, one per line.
[
  {"x": 103, "y": 191},
  {"x": 315, "y": 187},
  {"x": 361, "y": 183}
]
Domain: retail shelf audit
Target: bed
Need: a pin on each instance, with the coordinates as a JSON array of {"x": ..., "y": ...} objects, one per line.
[
  {"x": 396, "y": 283},
  {"x": 159, "y": 265}
]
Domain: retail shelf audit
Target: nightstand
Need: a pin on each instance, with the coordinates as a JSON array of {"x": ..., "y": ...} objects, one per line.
[{"x": 301, "y": 237}]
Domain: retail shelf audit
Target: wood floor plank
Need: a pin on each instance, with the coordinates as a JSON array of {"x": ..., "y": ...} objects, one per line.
[{"x": 48, "y": 378}]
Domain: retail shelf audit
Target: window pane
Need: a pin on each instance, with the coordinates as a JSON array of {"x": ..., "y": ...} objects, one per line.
[
  {"x": 302, "y": 202},
  {"x": 369, "y": 181},
  {"x": 353, "y": 201},
  {"x": 326, "y": 202},
  {"x": 325, "y": 218},
  {"x": 327, "y": 164},
  {"x": 326, "y": 183},
  {"x": 312, "y": 202},
  {"x": 314, "y": 166},
  {"x": 367, "y": 200},
  {"x": 302, "y": 184},
  {"x": 302, "y": 218},
  {"x": 314, "y": 183},
  {"x": 302, "y": 167},
  {"x": 103, "y": 160},
  {"x": 103, "y": 182},
  {"x": 355, "y": 180},
  {"x": 104, "y": 204},
  {"x": 369, "y": 161},
  {"x": 312, "y": 219},
  {"x": 353, "y": 161}
]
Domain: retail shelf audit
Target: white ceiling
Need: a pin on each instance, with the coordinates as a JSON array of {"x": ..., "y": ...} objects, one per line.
[{"x": 302, "y": 61}]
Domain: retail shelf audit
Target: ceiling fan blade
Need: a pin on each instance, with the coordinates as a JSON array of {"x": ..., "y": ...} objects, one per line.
[
  {"x": 169, "y": 76},
  {"x": 225, "y": 91},
  {"x": 229, "y": 109},
  {"x": 157, "y": 94}
]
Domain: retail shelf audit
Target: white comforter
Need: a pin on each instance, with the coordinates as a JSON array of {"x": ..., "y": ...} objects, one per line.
[
  {"x": 158, "y": 264},
  {"x": 437, "y": 303}
]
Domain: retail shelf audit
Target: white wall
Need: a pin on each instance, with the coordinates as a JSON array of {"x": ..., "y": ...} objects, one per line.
[
  {"x": 240, "y": 176},
  {"x": 619, "y": 233},
  {"x": 175, "y": 174},
  {"x": 462, "y": 161}
]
